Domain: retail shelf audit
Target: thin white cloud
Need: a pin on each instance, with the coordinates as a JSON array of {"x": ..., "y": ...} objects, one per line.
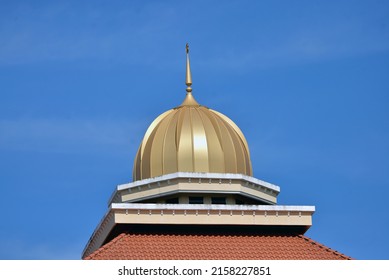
[
  {"x": 298, "y": 48},
  {"x": 69, "y": 136},
  {"x": 19, "y": 250},
  {"x": 58, "y": 32},
  {"x": 141, "y": 34},
  {"x": 304, "y": 42}
]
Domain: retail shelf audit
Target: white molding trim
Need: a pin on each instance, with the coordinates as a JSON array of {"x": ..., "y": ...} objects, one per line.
[
  {"x": 190, "y": 175},
  {"x": 151, "y": 206}
]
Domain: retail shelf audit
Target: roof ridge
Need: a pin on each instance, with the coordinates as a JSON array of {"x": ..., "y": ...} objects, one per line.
[{"x": 313, "y": 242}]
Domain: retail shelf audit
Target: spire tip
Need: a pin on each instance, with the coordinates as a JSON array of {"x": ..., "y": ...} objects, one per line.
[
  {"x": 188, "y": 81},
  {"x": 189, "y": 99}
]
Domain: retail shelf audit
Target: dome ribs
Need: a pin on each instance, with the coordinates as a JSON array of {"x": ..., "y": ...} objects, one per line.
[{"x": 192, "y": 139}]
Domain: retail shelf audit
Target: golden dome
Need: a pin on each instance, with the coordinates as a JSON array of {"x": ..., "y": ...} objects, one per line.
[{"x": 192, "y": 138}]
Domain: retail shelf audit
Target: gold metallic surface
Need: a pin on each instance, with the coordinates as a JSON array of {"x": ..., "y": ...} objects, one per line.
[
  {"x": 188, "y": 81},
  {"x": 192, "y": 138},
  {"x": 189, "y": 100}
]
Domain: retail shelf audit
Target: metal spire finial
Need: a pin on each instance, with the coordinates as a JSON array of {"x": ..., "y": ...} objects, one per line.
[
  {"x": 189, "y": 99},
  {"x": 188, "y": 81}
]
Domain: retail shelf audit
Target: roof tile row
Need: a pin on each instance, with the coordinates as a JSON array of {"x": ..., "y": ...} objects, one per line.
[{"x": 213, "y": 247}]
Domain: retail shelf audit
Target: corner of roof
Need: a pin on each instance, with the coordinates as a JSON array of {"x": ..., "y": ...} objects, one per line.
[
  {"x": 105, "y": 247},
  {"x": 322, "y": 246}
]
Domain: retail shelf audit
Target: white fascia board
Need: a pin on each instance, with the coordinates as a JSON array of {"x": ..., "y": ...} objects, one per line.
[
  {"x": 104, "y": 227},
  {"x": 149, "y": 206},
  {"x": 177, "y": 175}
]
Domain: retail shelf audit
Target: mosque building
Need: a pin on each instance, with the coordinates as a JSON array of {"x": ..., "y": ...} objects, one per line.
[{"x": 193, "y": 196}]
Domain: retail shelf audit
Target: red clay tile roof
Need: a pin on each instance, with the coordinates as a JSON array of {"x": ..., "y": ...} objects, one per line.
[{"x": 213, "y": 247}]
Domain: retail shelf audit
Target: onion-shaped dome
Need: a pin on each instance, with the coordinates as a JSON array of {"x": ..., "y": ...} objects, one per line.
[{"x": 192, "y": 138}]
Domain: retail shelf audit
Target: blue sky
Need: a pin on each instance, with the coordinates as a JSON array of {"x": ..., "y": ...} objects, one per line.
[{"x": 80, "y": 81}]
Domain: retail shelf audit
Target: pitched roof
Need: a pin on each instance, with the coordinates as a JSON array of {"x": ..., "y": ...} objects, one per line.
[{"x": 144, "y": 246}]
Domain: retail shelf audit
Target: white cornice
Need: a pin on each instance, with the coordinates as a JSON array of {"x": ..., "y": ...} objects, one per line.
[
  {"x": 151, "y": 206},
  {"x": 202, "y": 176},
  {"x": 271, "y": 188},
  {"x": 200, "y": 214}
]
